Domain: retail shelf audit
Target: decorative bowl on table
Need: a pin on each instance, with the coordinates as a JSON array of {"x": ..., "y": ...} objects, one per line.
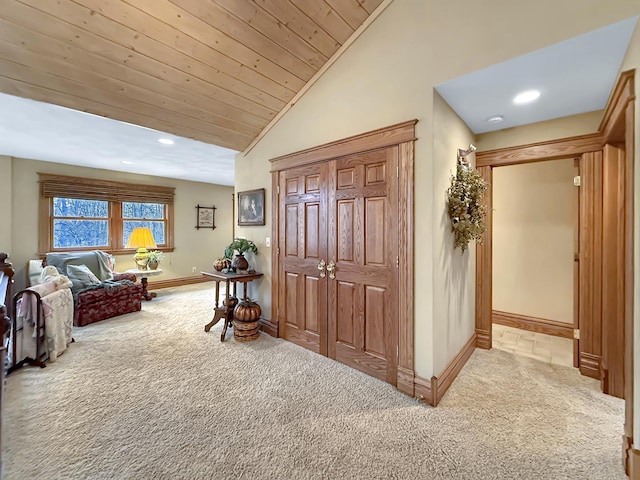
[{"x": 220, "y": 263}]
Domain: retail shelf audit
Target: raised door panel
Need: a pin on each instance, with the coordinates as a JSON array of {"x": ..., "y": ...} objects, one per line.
[
  {"x": 346, "y": 245},
  {"x": 362, "y": 240},
  {"x": 374, "y": 212},
  {"x": 374, "y": 328},
  {"x": 346, "y": 318},
  {"x": 312, "y": 230},
  {"x": 302, "y": 300},
  {"x": 291, "y": 231},
  {"x": 311, "y": 304}
]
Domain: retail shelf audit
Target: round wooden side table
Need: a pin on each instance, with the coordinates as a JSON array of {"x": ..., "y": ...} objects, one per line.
[{"x": 142, "y": 275}]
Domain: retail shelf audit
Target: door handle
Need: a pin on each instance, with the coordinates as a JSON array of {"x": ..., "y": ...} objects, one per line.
[
  {"x": 321, "y": 268},
  {"x": 331, "y": 268}
]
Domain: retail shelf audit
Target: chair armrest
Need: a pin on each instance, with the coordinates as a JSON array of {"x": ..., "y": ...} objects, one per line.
[{"x": 124, "y": 276}]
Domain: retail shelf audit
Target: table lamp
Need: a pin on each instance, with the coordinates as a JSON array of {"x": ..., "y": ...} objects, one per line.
[{"x": 142, "y": 239}]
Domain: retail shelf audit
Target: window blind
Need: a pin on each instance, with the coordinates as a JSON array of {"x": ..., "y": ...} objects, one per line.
[{"x": 92, "y": 189}]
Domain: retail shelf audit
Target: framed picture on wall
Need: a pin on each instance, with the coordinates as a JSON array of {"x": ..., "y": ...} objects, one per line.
[
  {"x": 205, "y": 217},
  {"x": 251, "y": 207}
]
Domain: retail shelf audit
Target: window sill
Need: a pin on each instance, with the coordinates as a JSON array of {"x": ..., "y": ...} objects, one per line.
[{"x": 119, "y": 251}]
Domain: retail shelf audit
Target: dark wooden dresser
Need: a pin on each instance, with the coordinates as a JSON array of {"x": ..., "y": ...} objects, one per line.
[{"x": 6, "y": 293}]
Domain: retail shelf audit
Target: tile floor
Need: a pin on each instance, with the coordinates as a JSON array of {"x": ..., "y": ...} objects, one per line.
[{"x": 545, "y": 348}]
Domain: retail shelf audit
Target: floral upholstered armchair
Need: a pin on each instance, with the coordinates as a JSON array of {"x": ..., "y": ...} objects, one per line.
[{"x": 99, "y": 292}]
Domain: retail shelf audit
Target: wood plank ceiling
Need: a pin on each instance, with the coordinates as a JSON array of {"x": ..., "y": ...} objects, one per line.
[{"x": 217, "y": 71}]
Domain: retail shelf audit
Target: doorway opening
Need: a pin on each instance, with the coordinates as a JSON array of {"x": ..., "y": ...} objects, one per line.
[
  {"x": 535, "y": 238},
  {"x": 605, "y": 270}
]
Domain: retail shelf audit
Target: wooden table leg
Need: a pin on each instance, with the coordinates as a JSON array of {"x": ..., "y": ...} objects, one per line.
[
  {"x": 145, "y": 293},
  {"x": 220, "y": 312},
  {"x": 227, "y": 324},
  {"x": 228, "y": 312}
]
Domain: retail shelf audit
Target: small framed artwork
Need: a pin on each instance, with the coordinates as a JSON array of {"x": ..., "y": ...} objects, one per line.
[
  {"x": 206, "y": 217},
  {"x": 251, "y": 207}
]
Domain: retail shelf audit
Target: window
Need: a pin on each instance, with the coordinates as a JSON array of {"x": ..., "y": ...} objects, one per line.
[
  {"x": 86, "y": 214},
  {"x": 143, "y": 215},
  {"x": 80, "y": 223}
]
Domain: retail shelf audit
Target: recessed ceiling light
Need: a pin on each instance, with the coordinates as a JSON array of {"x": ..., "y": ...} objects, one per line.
[
  {"x": 127, "y": 162},
  {"x": 526, "y": 97},
  {"x": 166, "y": 141},
  {"x": 495, "y": 119}
]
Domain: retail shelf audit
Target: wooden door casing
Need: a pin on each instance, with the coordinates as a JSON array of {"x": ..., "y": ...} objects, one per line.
[
  {"x": 302, "y": 244},
  {"x": 363, "y": 243},
  {"x": 400, "y": 138},
  {"x": 590, "y": 310},
  {"x": 343, "y": 211},
  {"x": 600, "y": 268},
  {"x": 613, "y": 268},
  {"x": 576, "y": 266}
]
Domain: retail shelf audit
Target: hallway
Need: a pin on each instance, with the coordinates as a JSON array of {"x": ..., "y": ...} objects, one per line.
[{"x": 546, "y": 348}]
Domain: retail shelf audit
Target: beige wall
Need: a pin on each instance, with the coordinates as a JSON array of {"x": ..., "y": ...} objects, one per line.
[
  {"x": 632, "y": 61},
  {"x": 193, "y": 248},
  {"x": 376, "y": 83},
  {"x": 533, "y": 229},
  {"x": 453, "y": 273},
  {"x": 5, "y": 204},
  {"x": 387, "y": 76},
  {"x": 572, "y": 126}
]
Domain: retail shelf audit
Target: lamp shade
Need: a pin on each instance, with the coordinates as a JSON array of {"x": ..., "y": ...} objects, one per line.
[{"x": 141, "y": 237}]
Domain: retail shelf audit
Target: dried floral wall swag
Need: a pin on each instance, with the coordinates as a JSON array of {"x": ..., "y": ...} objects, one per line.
[{"x": 465, "y": 204}]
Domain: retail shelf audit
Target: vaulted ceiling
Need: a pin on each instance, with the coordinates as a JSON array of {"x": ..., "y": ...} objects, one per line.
[{"x": 217, "y": 71}]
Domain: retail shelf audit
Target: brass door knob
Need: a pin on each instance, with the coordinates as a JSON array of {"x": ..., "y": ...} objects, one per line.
[
  {"x": 321, "y": 268},
  {"x": 331, "y": 268}
]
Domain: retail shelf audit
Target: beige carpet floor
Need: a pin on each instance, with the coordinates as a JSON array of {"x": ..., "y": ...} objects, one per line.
[{"x": 150, "y": 395}]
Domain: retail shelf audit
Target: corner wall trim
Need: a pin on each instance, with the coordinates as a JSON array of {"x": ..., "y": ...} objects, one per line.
[
  {"x": 422, "y": 389},
  {"x": 533, "y": 324},
  {"x": 483, "y": 339},
  {"x": 431, "y": 391},
  {"x": 590, "y": 365},
  {"x": 634, "y": 464},
  {"x": 446, "y": 378},
  {"x": 269, "y": 327},
  {"x": 627, "y": 447},
  {"x": 406, "y": 381}
]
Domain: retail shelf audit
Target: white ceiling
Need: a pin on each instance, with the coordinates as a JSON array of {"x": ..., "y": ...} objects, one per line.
[
  {"x": 574, "y": 76},
  {"x": 41, "y": 131}
]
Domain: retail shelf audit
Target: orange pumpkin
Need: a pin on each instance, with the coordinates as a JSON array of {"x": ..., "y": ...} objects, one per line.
[
  {"x": 247, "y": 311},
  {"x": 219, "y": 264}
]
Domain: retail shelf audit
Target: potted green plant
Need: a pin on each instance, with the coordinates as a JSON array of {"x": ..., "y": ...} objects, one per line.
[
  {"x": 240, "y": 245},
  {"x": 155, "y": 257}
]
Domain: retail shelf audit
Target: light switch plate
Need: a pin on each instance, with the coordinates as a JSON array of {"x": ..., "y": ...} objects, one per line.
[{"x": 267, "y": 241}]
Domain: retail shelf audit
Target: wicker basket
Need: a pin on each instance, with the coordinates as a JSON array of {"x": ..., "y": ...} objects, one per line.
[{"x": 246, "y": 331}]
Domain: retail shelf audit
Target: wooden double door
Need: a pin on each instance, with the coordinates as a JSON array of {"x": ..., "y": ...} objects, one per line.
[{"x": 338, "y": 260}]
